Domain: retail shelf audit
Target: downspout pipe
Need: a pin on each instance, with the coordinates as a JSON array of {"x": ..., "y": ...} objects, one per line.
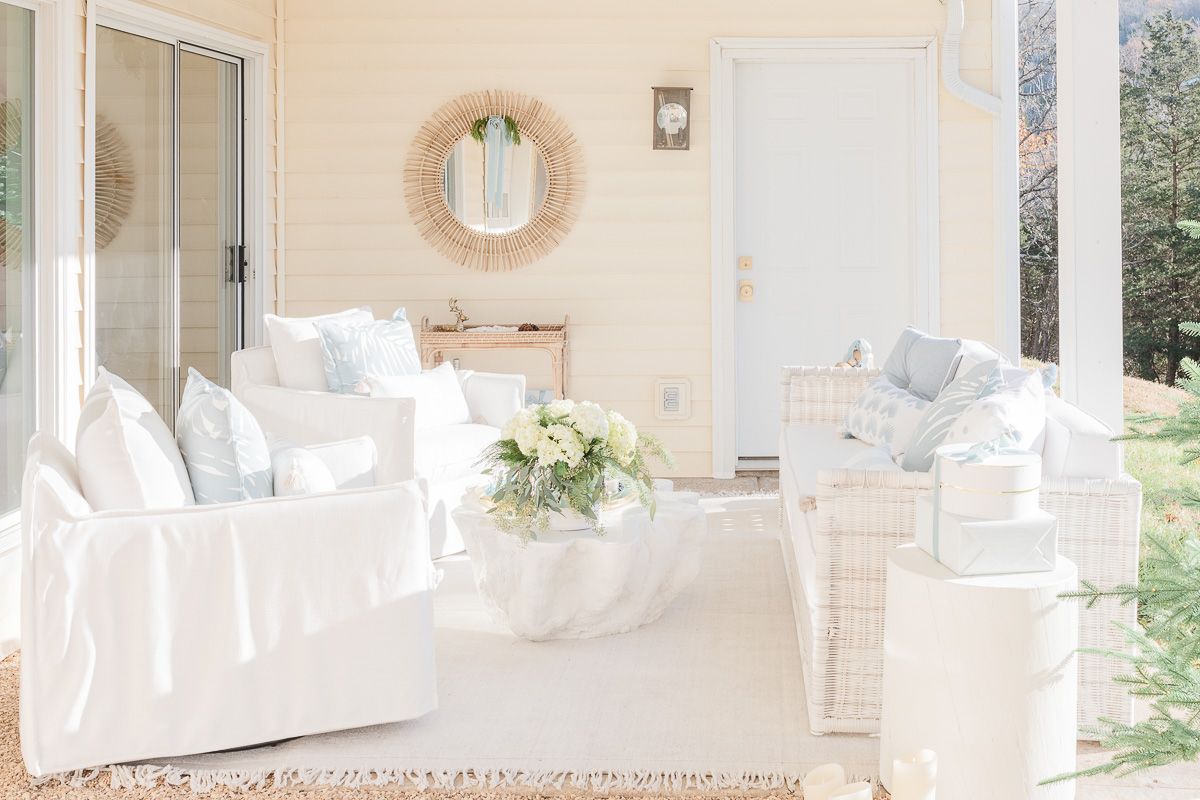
[{"x": 952, "y": 68}]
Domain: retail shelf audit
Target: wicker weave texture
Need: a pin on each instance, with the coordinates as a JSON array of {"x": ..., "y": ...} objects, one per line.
[
  {"x": 821, "y": 395},
  {"x": 861, "y": 515}
]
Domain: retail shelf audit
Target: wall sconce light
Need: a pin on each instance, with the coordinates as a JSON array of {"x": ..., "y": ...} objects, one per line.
[{"x": 671, "y": 120}]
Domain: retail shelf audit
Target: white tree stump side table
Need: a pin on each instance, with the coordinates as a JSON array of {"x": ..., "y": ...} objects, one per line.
[
  {"x": 578, "y": 585},
  {"x": 982, "y": 670}
]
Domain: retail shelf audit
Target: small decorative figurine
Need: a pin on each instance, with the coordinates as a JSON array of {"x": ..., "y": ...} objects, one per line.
[
  {"x": 858, "y": 355},
  {"x": 460, "y": 317}
]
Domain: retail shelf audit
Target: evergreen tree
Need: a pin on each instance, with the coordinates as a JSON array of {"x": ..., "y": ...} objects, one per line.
[
  {"x": 1164, "y": 665},
  {"x": 1160, "y": 133}
]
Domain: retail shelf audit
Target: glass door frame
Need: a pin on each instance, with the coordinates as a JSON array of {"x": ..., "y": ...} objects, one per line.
[
  {"x": 47, "y": 302},
  {"x": 133, "y": 18},
  {"x": 224, "y": 325}
]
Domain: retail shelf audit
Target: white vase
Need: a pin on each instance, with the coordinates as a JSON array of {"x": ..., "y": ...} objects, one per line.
[{"x": 565, "y": 521}]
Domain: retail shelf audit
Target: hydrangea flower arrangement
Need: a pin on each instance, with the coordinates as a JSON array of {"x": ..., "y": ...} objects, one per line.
[{"x": 556, "y": 458}]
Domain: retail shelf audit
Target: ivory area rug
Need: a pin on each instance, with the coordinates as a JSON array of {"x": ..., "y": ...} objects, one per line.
[{"x": 708, "y": 697}]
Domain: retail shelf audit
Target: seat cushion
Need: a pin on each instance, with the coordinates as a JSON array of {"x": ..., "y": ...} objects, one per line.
[
  {"x": 811, "y": 448},
  {"x": 126, "y": 456},
  {"x": 452, "y": 451}
]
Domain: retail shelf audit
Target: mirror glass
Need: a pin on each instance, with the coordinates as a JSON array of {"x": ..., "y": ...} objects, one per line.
[{"x": 499, "y": 194}]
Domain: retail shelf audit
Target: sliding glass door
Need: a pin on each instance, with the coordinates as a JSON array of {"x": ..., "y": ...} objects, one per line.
[
  {"x": 17, "y": 409},
  {"x": 169, "y": 273}
]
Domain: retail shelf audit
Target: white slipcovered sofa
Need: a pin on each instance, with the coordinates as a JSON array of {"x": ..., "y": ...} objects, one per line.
[
  {"x": 845, "y": 506},
  {"x": 445, "y": 459},
  {"x": 170, "y": 631}
]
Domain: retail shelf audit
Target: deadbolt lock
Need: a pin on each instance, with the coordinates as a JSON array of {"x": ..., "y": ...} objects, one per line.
[{"x": 745, "y": 291}]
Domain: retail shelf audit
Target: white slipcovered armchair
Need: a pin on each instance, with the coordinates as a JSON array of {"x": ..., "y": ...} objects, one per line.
[
  {"x": 445, "y": 460},
  {"x": 172, "y": 631},
  {"x": 845, "y": 508}
]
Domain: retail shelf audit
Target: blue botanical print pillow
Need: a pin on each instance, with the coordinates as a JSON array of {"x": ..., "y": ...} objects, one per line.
[
  {"x": 223, "y": 447},
  {"x": 939, "y": 418},
  {"x": 881, "y": 412},
  {"x": 380, "y": 348}
]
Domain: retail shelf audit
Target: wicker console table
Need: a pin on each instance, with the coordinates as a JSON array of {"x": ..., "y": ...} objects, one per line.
[{"x": 436, "y": 339}]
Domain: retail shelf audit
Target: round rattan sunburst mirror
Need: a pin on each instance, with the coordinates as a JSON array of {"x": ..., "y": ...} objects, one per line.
[{"x": 555, "y": 168}]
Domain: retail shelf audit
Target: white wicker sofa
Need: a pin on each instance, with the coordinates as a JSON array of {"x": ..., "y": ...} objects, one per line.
[{"x": 840, "y": 523}]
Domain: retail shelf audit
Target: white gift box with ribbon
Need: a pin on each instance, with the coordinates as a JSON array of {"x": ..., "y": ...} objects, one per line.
[
  {"x": 971, "y": 546},
  {"x": 987, "y": 481},
  {"x": 983, "y": 517}
]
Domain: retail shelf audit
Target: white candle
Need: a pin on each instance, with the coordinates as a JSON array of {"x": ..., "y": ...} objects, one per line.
[
  {"x": 854, "y": 791},
  {"x": 914, "y": 777},
  {"x": 821, "y": 782}
]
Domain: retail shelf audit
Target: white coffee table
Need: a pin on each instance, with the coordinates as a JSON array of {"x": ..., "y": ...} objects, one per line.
[{"x": 578, "y": 585}]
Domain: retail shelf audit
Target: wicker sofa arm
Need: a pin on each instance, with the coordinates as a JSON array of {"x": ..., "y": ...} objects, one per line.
[{"x": 821, "y": 395}]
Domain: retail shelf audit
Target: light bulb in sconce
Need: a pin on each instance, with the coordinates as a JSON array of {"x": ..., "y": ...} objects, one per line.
[{"x": 672, "y": 118}]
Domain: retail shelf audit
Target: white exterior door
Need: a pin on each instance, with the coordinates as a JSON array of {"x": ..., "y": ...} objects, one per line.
[{"x": 827, "y": 191}]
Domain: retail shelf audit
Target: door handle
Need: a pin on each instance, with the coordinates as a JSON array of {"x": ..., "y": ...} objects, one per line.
[
  {"x": 237, "y": 264},
  {"x": 746, "y": 291}
]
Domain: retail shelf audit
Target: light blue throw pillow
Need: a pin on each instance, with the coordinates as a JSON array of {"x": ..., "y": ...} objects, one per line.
[
  {"x": 223, "y": 447},
  {"x": 922, "y": 364},
  {"x": 380, "y": 348},
  {"x": 881, "y": 411},
  {"x": 935, "y": 424}
]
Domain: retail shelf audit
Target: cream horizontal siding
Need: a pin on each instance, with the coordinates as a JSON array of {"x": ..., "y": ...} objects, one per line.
[
  {"x": 634, "y": 274},
  {"x": 253, "y": 19}
]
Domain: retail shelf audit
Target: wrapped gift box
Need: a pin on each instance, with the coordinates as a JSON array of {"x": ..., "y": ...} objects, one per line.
[
  {"x": 972, "y": 546},
  {"x": 996, "y": 486}
]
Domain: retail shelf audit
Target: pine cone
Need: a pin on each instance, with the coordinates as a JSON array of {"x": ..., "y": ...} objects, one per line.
[{"x": 528, "y": 326}]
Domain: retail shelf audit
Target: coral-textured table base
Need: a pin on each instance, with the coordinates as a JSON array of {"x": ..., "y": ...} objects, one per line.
[
  {"x": 982, "y": 670},
  {"x": 577, "y": 585}
]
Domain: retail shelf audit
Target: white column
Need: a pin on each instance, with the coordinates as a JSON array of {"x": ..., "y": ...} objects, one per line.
[
  {"x": 1007, "y": 178},
  {"x": 1089, "y": 207}
]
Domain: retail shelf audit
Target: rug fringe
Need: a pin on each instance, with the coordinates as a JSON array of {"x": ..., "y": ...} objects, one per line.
[{"x": 201, "y": 781}]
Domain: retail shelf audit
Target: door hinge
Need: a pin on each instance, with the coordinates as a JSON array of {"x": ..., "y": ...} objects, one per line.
[{"x": 237, "y": 264}]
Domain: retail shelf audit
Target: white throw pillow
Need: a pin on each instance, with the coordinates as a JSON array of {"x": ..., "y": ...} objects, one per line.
[
  {"x": 222, "y": 444},
  {"x": 1017, "y": 408},
  {"x": 884, "y": 413},
  {"x": 126, "y": 456},
  {"x": 353, "y": 350},
  {"x": 298, "y": 471},
  {"x": 940, "y": 416},
  {"x": 297, "y": 347},
  {"x": 973, "y": 353},
  {"x": 440, "y": 398}
]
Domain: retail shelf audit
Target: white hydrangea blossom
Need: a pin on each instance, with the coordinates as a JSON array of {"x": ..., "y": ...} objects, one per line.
[
  {"x": 560, "y": 443},
  {"x": 622, "y": 437},
  {"x": 590, "y": 420},
  {"x": 560, "y": 408},
  {"x": 525, "y": 429}
]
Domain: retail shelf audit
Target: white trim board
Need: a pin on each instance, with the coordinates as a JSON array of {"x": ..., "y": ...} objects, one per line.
[
  {"x": 133, "y": 17},
  {"x": 54, "y": 240},
  {"x": 725, "y": 53}
]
